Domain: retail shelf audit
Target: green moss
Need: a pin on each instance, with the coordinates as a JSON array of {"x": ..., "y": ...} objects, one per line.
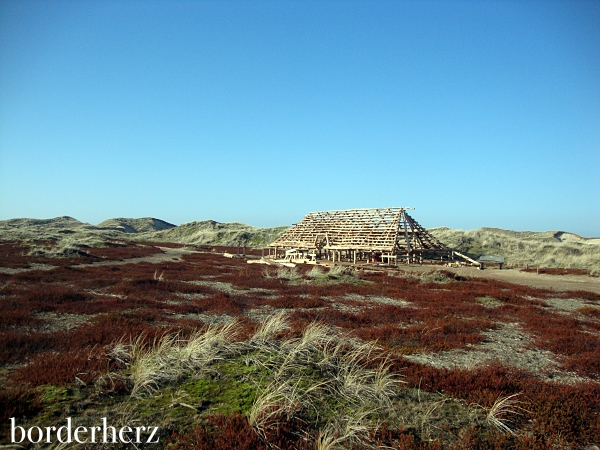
[
  {"x": 224, "y": 395},
  {"x": 57, "y": 401},
  {"x": 229, "y": 391},
  {"x": 225, "y": 389},
  {"x": 53, "y": 394}
]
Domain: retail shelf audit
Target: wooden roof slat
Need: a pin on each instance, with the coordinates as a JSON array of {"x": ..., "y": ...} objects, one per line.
[{"x": 389, "y": 229}]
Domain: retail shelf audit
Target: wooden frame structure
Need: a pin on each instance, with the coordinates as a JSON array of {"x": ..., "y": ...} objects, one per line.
[{"x": 372, "y": 234}]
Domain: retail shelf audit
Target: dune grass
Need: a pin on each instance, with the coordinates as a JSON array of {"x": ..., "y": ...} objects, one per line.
[{"x": 545, "y": 249}]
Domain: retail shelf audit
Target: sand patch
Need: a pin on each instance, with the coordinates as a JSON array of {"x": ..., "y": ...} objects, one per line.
[{"x": 510, "y": 346}]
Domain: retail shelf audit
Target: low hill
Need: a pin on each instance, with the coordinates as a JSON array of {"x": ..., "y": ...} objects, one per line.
[
  {"x": 545, "y": 249},
  {"x": 209, "y": 232},
  {"x": 70, "y": 234},
  {"x": 54, "y": 229},
  {"x": 143, "y": 225}
]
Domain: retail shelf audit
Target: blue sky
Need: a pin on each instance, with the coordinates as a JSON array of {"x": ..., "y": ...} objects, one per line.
[{"x": 476, "y": 113}]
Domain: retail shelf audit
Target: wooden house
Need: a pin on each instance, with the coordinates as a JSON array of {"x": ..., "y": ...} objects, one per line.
[{"x": 353, "y": 235}]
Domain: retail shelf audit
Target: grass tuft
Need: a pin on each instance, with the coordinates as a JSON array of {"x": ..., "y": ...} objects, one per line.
[
  {"x": 168, "y": 358},
  {"x": 498, "y": 415}
]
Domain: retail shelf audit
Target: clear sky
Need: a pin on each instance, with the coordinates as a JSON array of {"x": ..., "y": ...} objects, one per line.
[{"x": 476, "y": 113}]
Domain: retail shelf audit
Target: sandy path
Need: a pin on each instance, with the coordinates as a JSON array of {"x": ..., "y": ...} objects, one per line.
[
  {"x": 556, "y": 282},
  {"x": 170, "y": 254},
  {"x": 11, "y": 271}
]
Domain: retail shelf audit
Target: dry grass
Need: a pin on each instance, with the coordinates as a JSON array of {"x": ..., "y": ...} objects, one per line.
[
  {"x": 275, "y": 400},
  {"x": 322, "y": 374},
  {"x": 348, "y": 430},
  {"x": 499, "y": 414},
  {"x": 315, "y": 272},
  {"x": 169, "y": 357},
  {"x": 270, "y": 326}
]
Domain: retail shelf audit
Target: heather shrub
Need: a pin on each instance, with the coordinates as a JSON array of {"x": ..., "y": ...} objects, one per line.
[
  {"x": 220, "y": 432},
  {"x": 67, "y": 366},
  {"x": 18, "y": 402}
]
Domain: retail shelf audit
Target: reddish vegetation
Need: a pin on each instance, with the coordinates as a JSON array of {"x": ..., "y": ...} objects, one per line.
[
  {"x": 589, "y": 311},
  {"x": 233, "y": 431},
  {"x": 18, "y": 402},
  {"x": 568, "y": 411},
  {"x": 118, "y": 251},
  {"x": 584, "y": 295},
  {"x": 558, "y": 271},
  {"x": 15, "y": 255},
  {"x": 133, "y": 299},
  {"x": 62, "y": 367}
]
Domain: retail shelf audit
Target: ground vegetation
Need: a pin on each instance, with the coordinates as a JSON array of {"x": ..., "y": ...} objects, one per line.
[{"x": 220, "y": 353}]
